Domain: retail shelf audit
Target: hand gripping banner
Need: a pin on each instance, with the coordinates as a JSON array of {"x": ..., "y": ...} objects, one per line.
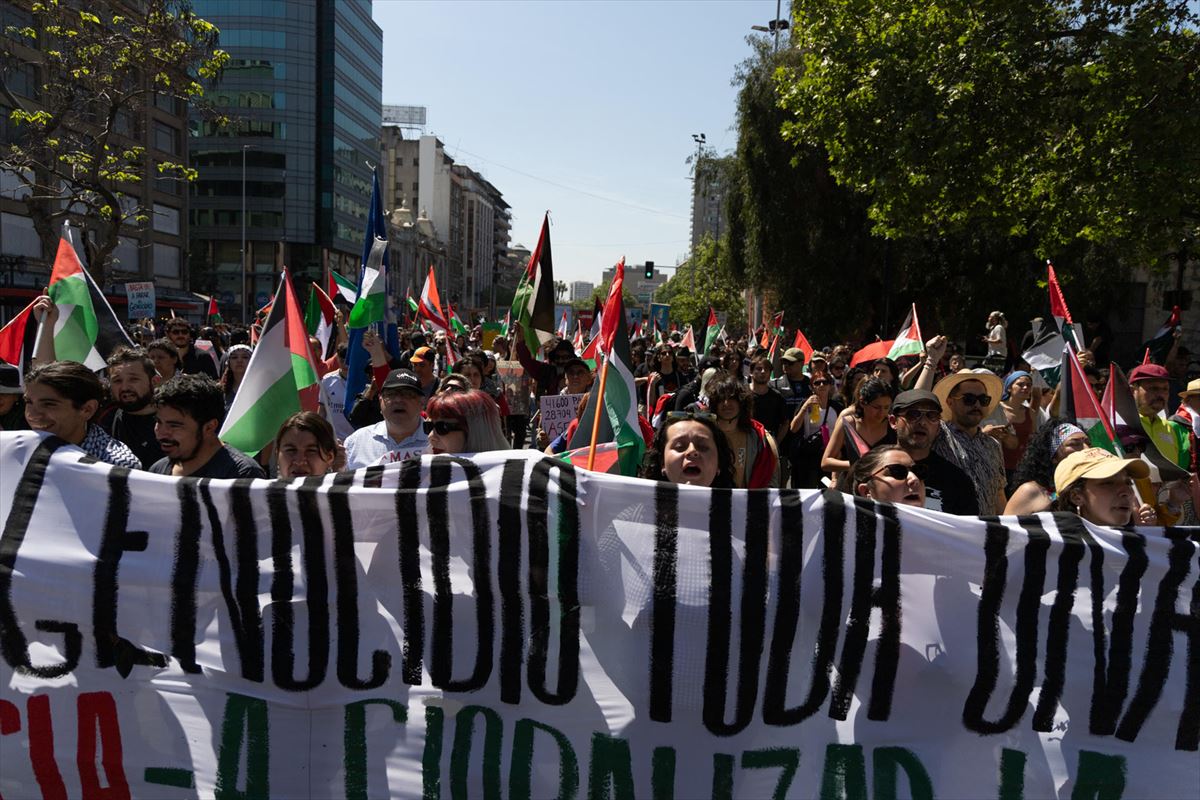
[{"x": 509, "y": 627}]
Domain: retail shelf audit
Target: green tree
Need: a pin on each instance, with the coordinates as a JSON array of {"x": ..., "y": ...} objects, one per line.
[
  {"x": 808, "y": 240},
  {"x": 600, "y": 293},
  {"x": 1047, "y": 121},
  {"x": 704, "y": 280},
  {"x": 95, "y": 69}
]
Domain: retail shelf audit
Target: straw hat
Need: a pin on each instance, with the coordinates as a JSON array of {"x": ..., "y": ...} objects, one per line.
[
  {"x": 1193, "y": 387},
  {"x": 992, "y": 386}
]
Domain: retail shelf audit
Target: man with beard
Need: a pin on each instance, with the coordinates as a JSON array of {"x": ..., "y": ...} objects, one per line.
[
  {"x": 915, "y": 417},
  {"x": 1151, "y": 386},
  {"x": 400, "y": 435},
  {"x": 190, "y": 411},
  {"x": 194, "y": 362},
  {"x": 131, "y": 382},
  {"x": 967, "y": 398},
  {"x": 61, "y": 398}
]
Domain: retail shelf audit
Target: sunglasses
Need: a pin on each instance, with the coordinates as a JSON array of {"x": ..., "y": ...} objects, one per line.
[
  {"x": 701, "y": 415},
  {"x": 975, "y": 399},
  {"x": 442, "y": 426},
  {"x": 897, "y": 472},
  {"x": 820, "y": 383},
  {"x": 917, "y": 414}
]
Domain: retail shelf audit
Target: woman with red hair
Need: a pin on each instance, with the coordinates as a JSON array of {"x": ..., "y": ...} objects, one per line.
[{"x": 464, "y": 422}]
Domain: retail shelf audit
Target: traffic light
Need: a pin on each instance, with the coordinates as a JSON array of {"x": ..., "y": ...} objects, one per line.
[{"x": 649, "y": 270}]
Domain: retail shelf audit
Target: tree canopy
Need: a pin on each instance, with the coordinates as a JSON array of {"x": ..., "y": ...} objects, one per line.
[
  {"x": 703, "y": 281},
  {"x": 93, "y": 69},
  {"x": 1047, "y": 121}
]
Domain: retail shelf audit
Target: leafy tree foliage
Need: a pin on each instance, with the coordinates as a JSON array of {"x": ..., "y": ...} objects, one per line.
[
  {"x": 704, "y": 280},
  {"x": 97, "y": 65},
  {"x": 1045, "y": 121}
]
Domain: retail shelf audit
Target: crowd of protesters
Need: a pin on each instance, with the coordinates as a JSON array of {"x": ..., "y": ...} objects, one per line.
[{"x": 927, "y": 430}]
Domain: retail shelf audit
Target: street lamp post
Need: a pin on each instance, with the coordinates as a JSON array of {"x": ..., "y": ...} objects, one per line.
[
  {"x": 774, "y": 26},
  {"x": 699, "y": 139},
  {"x": 245, "y": 309}
]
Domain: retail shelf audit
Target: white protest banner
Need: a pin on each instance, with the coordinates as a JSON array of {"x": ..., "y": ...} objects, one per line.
[
  {"x": 557, "y": 412},
  {"x": 140, "y": 295},
  {"x": 511, "y": 627}
]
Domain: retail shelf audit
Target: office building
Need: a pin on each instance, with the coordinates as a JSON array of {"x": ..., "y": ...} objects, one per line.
[
  {"x": 708, "y": 199},
  {"x": 581, "y": 290},
  {"x": 304, "y": 87}
]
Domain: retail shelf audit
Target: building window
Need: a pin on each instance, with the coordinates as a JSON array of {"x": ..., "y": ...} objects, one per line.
[
  {"x": 18, "y": 238},
  {"x": 166, "y": 260},
  {"x": 125, "y": 256},
  {"x": 416, "y": 185},
  {"x": 166, "y": 138},
  {"x": 166, "y": 219}
]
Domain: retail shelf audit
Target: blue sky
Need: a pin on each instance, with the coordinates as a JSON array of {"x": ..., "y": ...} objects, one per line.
[{"x": 600, "y": 98}]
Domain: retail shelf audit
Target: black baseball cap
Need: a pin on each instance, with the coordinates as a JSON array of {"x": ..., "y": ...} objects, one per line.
[
  {"x": 10, "y": 379},
  {"x": 914, "y": 396},
  {"x": 402, "y": 379}
]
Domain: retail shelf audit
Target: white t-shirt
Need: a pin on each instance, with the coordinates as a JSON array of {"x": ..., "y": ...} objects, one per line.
[
  {"x": 998, "y": 348},
  {"x": 333, "y": 399},
  {"x": 372, "y": 445}
]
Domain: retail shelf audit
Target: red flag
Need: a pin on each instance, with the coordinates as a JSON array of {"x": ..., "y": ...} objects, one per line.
[
  {"x": 872, "y": 352},
  {"x": 430, "y": 306},
  {"x": 765, "y": 339},
  {"x": 802, "y": 343},
  {"x": 777, "y": 323},
  {"x": 1146, "y": 357},
  {"x": 17, "y": 338},
  {"x": 613, "y": 310},
  {"x": 212, "y": 309},
  {"x": 1058, "y": 305}
]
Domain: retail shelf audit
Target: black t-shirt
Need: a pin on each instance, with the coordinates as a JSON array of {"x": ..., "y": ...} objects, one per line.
[
  {"x": 225, "y": 463},
  {"x": 770, "y": 409},
  {"x": 198, "y": 363},
  {"x": 947, "y": 488},
  {"x": 136, "y": 431}
]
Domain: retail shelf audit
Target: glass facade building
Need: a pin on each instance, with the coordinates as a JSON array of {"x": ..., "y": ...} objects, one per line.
[{"x": 303, "y": 91}]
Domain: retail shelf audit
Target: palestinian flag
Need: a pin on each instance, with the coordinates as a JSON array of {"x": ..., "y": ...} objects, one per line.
[
  {"x": 1070, "y": 330},
  {"x": 562, "y": 332},
  {"x": 1045, "y": 354},
  {"x": 1077, "y": 403},
  {"x": 777, "y": 324},
  {"x": 597, "y": 315},
  {"x": 318, "y": 317},
  {"x": 280, "y": 380},
  {"x": 1159, "y": 345},
  {"x": 505, "y": 325},
  {"x": 412, "y": 304},
  {"x": 1119, "y": 408},
  {"x": 577, "y": 344},
  {"x": 430, "y": 306},
  {"x": 451, "y": 353},
  {"x": 722, "y": 336},
  {"x": 456, "y": 324},
  {"x": 802, "y": 343},
  {"x": 340, "y": 287},
  {"x": 658, "y": 336},
  {"x": 371, "y": 306},
  {"x": 533, "y": 304},
  {"x": 712, "y": 329},
  {"x": 689, "y": 340},
  {"x": 214, "y": 314},
  {"x": 908, "y": 341},
  {"x": 17, "y": 339},
  {"x": 606, "y": 459},
  {"x": 619, "y": 423},
  {"x": 87, "y": 330}
]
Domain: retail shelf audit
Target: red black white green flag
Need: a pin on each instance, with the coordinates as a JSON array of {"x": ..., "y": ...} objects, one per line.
[{"x": 533, "y": 304}]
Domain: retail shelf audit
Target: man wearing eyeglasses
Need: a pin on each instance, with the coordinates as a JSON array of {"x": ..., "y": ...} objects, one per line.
[
  {"x": 967, "y": 398},
  {"x": 916, "y": 418},
  {"x": 400, "y": 435}
]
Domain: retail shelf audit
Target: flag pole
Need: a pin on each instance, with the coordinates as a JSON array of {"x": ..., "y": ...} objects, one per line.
[{"x": 596, "y": 414}]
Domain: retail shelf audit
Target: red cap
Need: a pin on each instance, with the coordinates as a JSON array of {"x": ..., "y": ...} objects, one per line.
[{"x": 1149, "y": 372}]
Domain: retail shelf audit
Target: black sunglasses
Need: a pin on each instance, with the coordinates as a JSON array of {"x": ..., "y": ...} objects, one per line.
[
  {"x": 702, "y": 415},
  {"x": 820, "y": 383},
  {"x": 442, "y": 426},
  {"x": 897, "y": 472},
  {"x": 917, "y": 414},
  {"x": 975, "y": 399}
]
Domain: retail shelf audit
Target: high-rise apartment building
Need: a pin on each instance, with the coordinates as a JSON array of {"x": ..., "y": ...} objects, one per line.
[
  {"x": 581, "y": 290},
  {"x": 290, "y": 175},
  {"x": 708, "y": 196}
]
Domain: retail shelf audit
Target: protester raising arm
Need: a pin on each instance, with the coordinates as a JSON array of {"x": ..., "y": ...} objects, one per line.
[
  {"x": 46, "y": 312},
  {"x": 935, "y": 348}
]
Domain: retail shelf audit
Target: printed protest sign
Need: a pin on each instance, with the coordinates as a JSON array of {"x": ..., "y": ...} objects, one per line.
[
  {"x": 140, "y": 295},
  {"x": 516, "y": 386},
  {"x": 557, "y": 412},
  {"x": 510, "y": 626}
]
